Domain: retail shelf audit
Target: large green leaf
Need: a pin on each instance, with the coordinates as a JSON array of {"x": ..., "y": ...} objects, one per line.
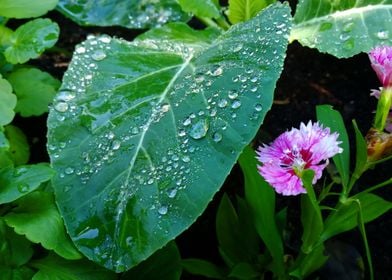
[
  {"x": 343, "y": 28},
  {"x": 143, "y": 134},
  {"x": 25, "y": 8},
  {"x": 31, "y": 39},
  {"x": 7, "y": 102},
  {"x": 131, "y": 14},
  {"x": 36, "y": 216},
  {"x": 35, "y": 89}
]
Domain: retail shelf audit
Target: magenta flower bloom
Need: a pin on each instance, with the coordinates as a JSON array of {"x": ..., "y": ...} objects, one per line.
[
  {"x": 381, "y": 61},
  {"x": 284, "y": 161}
]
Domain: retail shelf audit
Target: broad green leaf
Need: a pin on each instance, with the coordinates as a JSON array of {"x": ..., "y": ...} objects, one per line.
[
  {"x": 333, "y": 119},
  {"x": 55, "y": 268},
  {"x": 201, "y": 8},
  {"x": 234, "y": 238},
  {"x": 19, "y": 149},
  {"x": 5, "y": 36},
  {"x": 131, "y": 14},
  {"x": 35, "y": 89},
  {"x": 311, "y": 219},
  {"x": 243, "y": 10},
  {"x": 165, "y": 262},
  {"x": 261, "y": 199},
  {"x": 309, "y": 263},
  {"x": 203, "y": 268},
  {"x": 343, "y": 28},
  {"x": 7, "y": 102},
  {"x": 137, "y": 130},
  {"x": 19, "y": 181},
  {"x": 25, "y": 8},
  {"x": 346, "y": 216},
  {"x": 36, "y": 216},
  {"x": 15, "y": 250},
  {"x": 31, "y": 39}
]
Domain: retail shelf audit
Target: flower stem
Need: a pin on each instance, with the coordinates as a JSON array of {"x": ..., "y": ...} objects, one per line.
[{"x": 383, "y": 107}]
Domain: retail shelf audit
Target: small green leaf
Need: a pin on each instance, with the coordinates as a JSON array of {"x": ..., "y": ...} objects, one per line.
[
  {"x": 343, "y": 28},
  {"x": 17, "y": 182},
  {"x": 5, "y": 36},
  {"x": 203, "y": 268},
  {"x": 31, "y": 39},
  {"x": 25, "y": 8},
  {"x": 261, "y": 199},
  {"x": 201, "y": 8},
  {"x": 235, "y": 240},
  {"x": 333, "y": 119},
  {"x": 55, "y": 268},
  {"x": 131, "y": 14},
  {"x": 36, "y": 216},
  {"x": 165, "y": 262},
  {"x": 7, "y": 102},
  {"x": 19, "y": 149},
  {"x": 345, "y": 217},
  {"x": 35, "y": 90},
  {"x": 243, "y": 10},
  {"x": 15, "y": 250},
  {"x": 244, "y": 271}
]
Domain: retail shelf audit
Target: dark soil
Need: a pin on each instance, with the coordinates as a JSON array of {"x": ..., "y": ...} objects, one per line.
[{"x": 309, "y": 79}]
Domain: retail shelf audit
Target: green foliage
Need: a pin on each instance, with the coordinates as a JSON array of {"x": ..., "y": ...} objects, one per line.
[
  {"x": 133, "y": 149},
  {"x": 203, "y": 8},
  {"x": 18, "y": 149},
  {"x": 36, "y": 216},
  {"x": 333, "y": 120},
  {"x": 55, "y": 268},
  {"x": 165, "y": 262},
  {"x": 31, "y": 39},
  {"x": 25, "y": 8},
  {"x": 342, "y": 28},
  {"x": 203, "y": 268},
  {"x": 243, "y": 10},
  {"x": 131, "y": 14},
  {"x": 19, "y": 181},
  {"x": 7, "y": 102},
  {"x": 261, "y": 198},
  {"x": 35, "y": 90}
]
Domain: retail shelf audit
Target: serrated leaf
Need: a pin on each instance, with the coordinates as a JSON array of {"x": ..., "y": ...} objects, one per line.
[
  {"x": 201, "y": 8},
  {"x": 36, "y": 216},
  {"x": 31, "y": 39},
  {"x": 25, "y": 8},
  {"x": 7, "y": 102},
  {"x": 19, "y": 149},
  {"x": 136, "y": 146},
  {"x": 17, "y": 182},
  {"x": 243, "y": 10},
  {"x": 131, "y": 14},
  {"x": 343, "y": 28},
  {"x": 55, "y": 268},
  {"x": 35, "y": 89}
]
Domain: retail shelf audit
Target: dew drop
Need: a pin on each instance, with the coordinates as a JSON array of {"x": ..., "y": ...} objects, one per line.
[
  {"x": 61, "y": 107},
  {"x": 165, "y": 107},
  {"x": 348, "y": 27},
  {"x": 65, "y": 96},
  {"x": 383, "y": 34},
  {"x": 162, "y": 210},
  {"x": 199, "y": 129},
  {"x": 186, "y": 159},
  {"x": 258, "y": 107},
  {"x": 69, "y": 170},
  {"x": 233, "y": 94},
  {"x": 150, "y": 181},
  {"x": 129, "y": 241},
  {"x": 238, "y": 47},
  {"x": 181, "y": 133},
  {"x": 98, "y": 55},
  {"x": 80, "y": 49},
  {"x": 236, "y": 104},
  {"x": 23, "y": 187},
  {"x": 222, "y": 103},
  {"x": 217, "y": 137},
  {"x": 116, "y": 145},
  {"x": 171, "y": 193},
  {"x": 187, "y": 121},
  {"x": 217, "y": 72}
]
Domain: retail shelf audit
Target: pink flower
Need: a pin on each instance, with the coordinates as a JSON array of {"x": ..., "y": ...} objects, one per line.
[
  {"x": 381, "y": 61},
  {"x": 308, "y": 147}
]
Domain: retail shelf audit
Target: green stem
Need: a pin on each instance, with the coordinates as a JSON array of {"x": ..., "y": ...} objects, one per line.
[
  {"x": 223, "y": 23},
  {"x": 209, "y": 22},
  {"x": 361, "y": 225},
  {"x": 387, "y": 182},
  {"x": 383, "y": 107}
]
